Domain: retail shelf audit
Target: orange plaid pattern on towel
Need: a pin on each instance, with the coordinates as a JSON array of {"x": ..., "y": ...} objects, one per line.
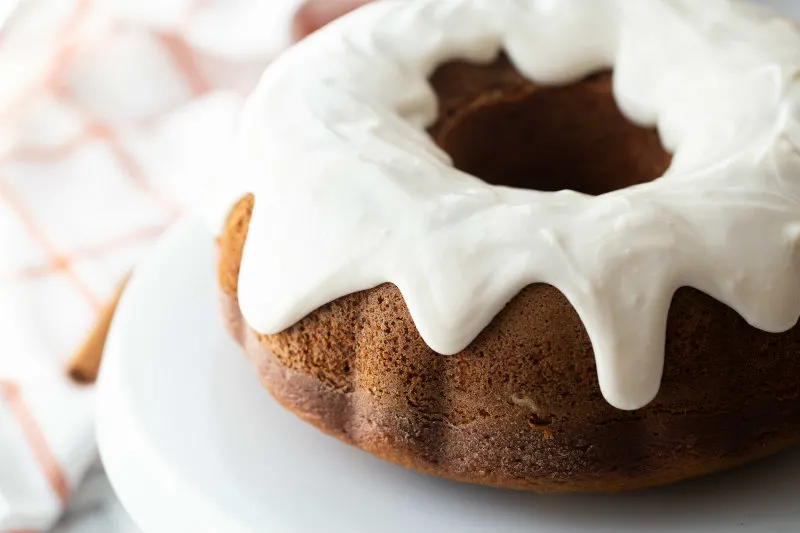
[{"x": 94, "y": 132}]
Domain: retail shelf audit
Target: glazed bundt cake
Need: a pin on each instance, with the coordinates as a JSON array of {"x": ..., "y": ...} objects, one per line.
[{"x": 611, "y": 306}]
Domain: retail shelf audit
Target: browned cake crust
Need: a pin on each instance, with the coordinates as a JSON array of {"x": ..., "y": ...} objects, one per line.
[{"x": 521, "y": 406}]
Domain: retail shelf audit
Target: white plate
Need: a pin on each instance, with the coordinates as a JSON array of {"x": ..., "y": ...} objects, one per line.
[{"x": 193, "y": 443}]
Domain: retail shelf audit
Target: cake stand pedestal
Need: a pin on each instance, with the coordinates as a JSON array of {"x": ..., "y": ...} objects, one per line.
[{"x": 192, "y": 443}]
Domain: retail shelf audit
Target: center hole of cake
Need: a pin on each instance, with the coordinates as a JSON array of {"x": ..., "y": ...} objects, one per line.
[{"x": 507, "y": 130}]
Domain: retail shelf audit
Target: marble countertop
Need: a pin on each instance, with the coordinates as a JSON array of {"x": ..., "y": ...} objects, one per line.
[{"x": 95, "y": 509}]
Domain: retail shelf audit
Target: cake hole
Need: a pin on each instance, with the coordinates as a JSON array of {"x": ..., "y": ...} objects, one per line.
[{"x": 507, "y": 130}]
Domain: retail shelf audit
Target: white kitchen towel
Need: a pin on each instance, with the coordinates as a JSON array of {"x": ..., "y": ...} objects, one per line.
[{"x": 109, "y": 112}]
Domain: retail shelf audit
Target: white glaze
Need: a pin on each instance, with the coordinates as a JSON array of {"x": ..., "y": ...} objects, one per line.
[{"x": 351, "y": 192}]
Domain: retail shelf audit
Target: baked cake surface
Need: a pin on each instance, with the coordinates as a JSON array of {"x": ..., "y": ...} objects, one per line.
[{"x": 521, "y": 406}]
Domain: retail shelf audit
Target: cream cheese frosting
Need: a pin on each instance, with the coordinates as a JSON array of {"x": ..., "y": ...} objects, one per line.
[{"x": 350, "y": 191}]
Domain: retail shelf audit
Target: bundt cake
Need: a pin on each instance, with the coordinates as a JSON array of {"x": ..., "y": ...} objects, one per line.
[{"x": 539, "y": 245}]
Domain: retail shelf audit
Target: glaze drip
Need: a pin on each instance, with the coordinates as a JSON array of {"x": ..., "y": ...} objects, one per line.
[{"x": 351, "y": 192}]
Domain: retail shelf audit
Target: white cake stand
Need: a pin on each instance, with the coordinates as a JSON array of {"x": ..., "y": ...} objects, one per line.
[{"x": 192, "y": 443}]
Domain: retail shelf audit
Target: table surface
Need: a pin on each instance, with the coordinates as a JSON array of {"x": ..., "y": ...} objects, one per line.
[{"x": 95, "y": 508}]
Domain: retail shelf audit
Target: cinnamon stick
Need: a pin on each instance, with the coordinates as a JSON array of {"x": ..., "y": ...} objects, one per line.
[
  {"x": 314, "y": 14},
  {"x": 84, "y": 366}
]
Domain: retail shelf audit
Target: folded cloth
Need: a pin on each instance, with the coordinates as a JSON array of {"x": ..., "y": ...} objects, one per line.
[{"x": 109, "y": 115}]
